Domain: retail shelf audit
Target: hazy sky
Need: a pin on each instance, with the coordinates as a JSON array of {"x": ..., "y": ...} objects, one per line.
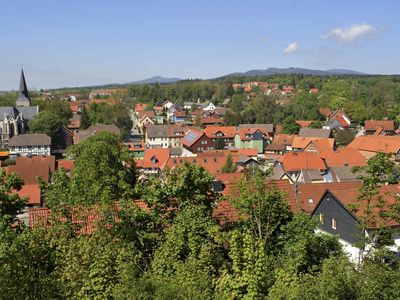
[{"x": 81, "y": 42}]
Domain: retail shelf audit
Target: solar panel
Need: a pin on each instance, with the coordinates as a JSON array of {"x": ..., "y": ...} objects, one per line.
[{"x": 191, "y": 137}]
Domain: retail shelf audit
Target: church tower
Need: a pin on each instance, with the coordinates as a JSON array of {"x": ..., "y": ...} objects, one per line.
[{"x": 23, "y": 97}]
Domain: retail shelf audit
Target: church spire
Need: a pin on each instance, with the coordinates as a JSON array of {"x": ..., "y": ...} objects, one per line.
[{"x": 23, "y": 97}]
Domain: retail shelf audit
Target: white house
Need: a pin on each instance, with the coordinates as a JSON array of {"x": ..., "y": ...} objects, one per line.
[
  {"x": 29, "y": 145},
  {"x": 209, "y": 107}
]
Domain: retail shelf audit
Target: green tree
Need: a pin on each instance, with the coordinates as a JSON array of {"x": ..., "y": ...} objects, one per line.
[
  {"x": 10, "y": 203},
  {"x": 103, "y": 164},
  {"x": 290, "y": 126},
  {"x": 85, "y": 121},
  {"x": 219, "y": 144},
  {"x": 229, "y": 166},
  {"x": 344, "y": 137},
  {"x": 45, "y": 122}
]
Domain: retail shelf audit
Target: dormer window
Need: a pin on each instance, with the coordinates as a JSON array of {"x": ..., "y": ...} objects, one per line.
[
  {"x": 154, "y": 160},
  {"x": 310, "y": 201}
]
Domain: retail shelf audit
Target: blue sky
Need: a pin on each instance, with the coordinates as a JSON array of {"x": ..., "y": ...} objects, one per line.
[{"x": 82, "y": 42}]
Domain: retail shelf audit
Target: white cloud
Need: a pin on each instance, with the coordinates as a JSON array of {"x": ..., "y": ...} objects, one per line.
[
  {"x": 292, "y": 48},
  {"x": 350, "y": 34}
]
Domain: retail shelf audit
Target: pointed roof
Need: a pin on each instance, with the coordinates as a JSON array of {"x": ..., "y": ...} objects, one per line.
[{"x": 23, "y": 96}]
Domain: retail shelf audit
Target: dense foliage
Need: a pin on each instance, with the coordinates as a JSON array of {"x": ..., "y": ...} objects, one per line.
[{"x": 169, "y": 245}]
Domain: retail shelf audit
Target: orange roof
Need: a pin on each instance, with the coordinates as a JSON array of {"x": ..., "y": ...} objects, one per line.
[
  {"x": 180, "y": 114},
  {"x": 248, "y": 152},
  {"x": 296, "y": 161},
  {"x": 309, "y": 194},
  {"x": 326, "y": 112},
  {"x": 211, "y": 163},
  {"x": 28, "y": 173},
  {"x": 211, "y": 120},
  {"x": 244, "y": 132},
  {"x": 323, "y": 144},
  {"x": 4, "y": 153},
  {"x": 145, "y": 113},
  {"x": 66, "y": 164},
  {"x": 140, "y": 107},
  {"x": 300, "y": 142},
  {"x": 386, "y": 144},
  {"x": 38, "y": 160},
  {"x": 155, "y": 158},
  {"x": 304, "y": 123},
  {"x": 31, "y": 192},
  {"x": 280, "y": 142},
  {"x": 227, "y": 131},
  {"x": 343, "y": 157},
  {"x": 372, "y": 125}
]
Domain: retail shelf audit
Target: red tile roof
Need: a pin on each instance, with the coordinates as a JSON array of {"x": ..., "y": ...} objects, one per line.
[
  {"x": 155, "y": 158},
  {"x": 248, "y": 152},
  {"x": 36, "y": 160},
  {"x": 300, "y": 142},
  {"x": 227, "y": 131},
  {"x": 343, "y": 157},
  {"x": 386, "y": 144},
  {"x": 304, "y": 123},
  {"x": 326, "y": 112},
  {"x": 245, "y": 131},
  {"x": 296, "y": 161},
  {"x": 31, "y": 192},
  {"x": 372, "y": 125},
  {"x": 140, "y": 107},
  {"x": 211, "y": 120},
  {"x": 28, "y": 173},
  {"x": 66, "y": 164}
]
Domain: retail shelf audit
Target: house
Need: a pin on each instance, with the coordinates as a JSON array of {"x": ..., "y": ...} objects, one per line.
[
  {"x": 211, "y": 120},
  {"x": 208, "y": 106},
  {"x": 224, "y": 133},
  {"x": 379, "y": 127},
  {"x": 62, "y": 140},
  {"x": 145, "y": 118},
  {"x": 179, "y": 116},
  {"x": 339, "y": 213},
  {"x": 301, "y": 143},
  {"x": 269, "y": 128},
  {"x": 251, "y": 138},
  {"x": 305, "y": 167},
  {"x": 29, "y": 145},
  {"x": 315, "y": 132},
  {"x": 164, "y": 136},
  {"x": 281, "y": 143},
  {"x": 140, "y": 107},
  {"x": 196, "y": 141},
  {"x": 320, "y": 145},
  {"x": 343, "y": 157},
  {"x": 136, "y": 148},
  {"x": 370, "y": 145},
  {"x": 188, "y": 105},
  {"x": 81, "y": 135},
  {"x": 338, "y": 120},
  {"x": 14, "y": 119},
  {"x": 154, "y": 161},
  {"x": 167, "y": 104}
]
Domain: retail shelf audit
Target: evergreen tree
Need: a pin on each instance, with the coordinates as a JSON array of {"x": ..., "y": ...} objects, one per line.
[
  {"x": 85, "y": 121},
  {"x": 229, "y": 166}
]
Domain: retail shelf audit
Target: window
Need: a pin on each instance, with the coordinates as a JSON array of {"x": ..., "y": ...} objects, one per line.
[
  {"x": 310, "y": 201},
  {"x": 334, "y": 223},
  {"x": 321, "y": 217}
]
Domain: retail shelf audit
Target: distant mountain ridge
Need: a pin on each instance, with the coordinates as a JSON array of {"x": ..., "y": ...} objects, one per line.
[
  {"x": 156, "y": 79},
  {"x": 282, "y": 71}
]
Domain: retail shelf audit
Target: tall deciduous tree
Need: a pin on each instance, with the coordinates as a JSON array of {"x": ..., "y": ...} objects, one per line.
[
  {"x": 45, "y": 122},
  {"x": 103, "y": 170}
]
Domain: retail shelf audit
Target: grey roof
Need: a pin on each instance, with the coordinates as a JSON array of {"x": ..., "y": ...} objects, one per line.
[
  {"x": 278, "y": 172},
  {"x": 28, "y": 112},
  {"x": 311, "y": 175},
  {"x": 344, "y": 173},
  {"x": 315, "y": 132},
  {"x": 92, "y": 130},
  {"x": 157, "y": 131},
  {"x": 175, "y": 151},
  {"x": 23, "y": 96},
  {"x": 39, "y": 139},
  {"x": 266, "y": 127}
]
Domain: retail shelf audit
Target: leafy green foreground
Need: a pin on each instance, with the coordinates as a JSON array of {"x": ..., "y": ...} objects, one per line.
[{"x": 171, "y": 247}]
